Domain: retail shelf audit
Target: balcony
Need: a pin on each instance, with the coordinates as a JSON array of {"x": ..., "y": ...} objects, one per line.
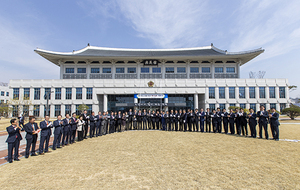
[
  {"x": 74, "y": 76},
  {"x": 125, "y": 76},
  {"x": 175, "y": 76},
  {"x": 101, "y": 76},
  {"x": 200, "y": 76},
  {"x": 225, "y": 75},
  {"x": 150, "y": 76}
]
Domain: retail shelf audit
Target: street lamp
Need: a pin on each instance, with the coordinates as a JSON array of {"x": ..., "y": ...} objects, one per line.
[{"x": 47, "y": 96}]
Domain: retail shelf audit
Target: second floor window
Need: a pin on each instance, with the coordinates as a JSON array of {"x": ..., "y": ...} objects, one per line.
[
  {"x": 106, "y": 70},
  {"x": 169, "y": 69},
  {"x": 131, "y": 70},
  {"x": 95, "y": 70},
  {"x": 68, "y": 93},
  {"x": 180, "y": 69},
  {"x": 119, "y": 70},
  {"x": 156, "y": 70},
  {"x": 218, "y": 69},
  {"x": 78, "y": 93},
  {"x": 81, "y": 70}
]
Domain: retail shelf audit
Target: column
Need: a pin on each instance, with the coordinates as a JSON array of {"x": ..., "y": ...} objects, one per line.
[
  {"x": 206, "y": 98},
  {"x": 196, "y": 101},
  {"x": 238, "y": 69},
  {"x": 227, "y": 94},
  {"x": 113, "y": 69},
  {"x": 62, "y": 69},
  {"x": 104, "y": 102},
  {"x": 247, "y": 93},
  {"x": 268, "y": 92},
  {"x": 138, "y": 70},
  {"x": 166, "y": 100},
  {"x": 277, "y": 95},
  {"x": 213, "y": 70},
  {"x": 42, "y": 108},
  {"x": 88, "y": 72},
  {"x": 257, "y": 93},
  {"x": 63, "y": 110},
  {"x": 287, "y": 96},
  {"x": 188, "y": 72},
  {"x": 84, "y": 95}
]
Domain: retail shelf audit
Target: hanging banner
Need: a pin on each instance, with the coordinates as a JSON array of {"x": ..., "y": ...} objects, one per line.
[{"x": 150, "y": 96}]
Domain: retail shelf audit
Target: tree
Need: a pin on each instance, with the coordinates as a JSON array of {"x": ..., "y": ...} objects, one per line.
[
  {"x": 23, "y": 104},
  {"x": 4, "y": 109},
  {"x": 292, "y": 88},
  {"x": 234, "y": 107},
  {"x": 82, "y": 107},
  {"x": 293, "y": 111}
]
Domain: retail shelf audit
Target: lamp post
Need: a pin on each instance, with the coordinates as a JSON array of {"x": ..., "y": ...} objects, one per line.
[{"x": 47, "y": 96}]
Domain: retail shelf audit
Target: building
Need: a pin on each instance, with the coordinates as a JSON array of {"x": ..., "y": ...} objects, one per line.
[
  {"x": 4, "y": 93},
  {"x": 120, "y": 79}
]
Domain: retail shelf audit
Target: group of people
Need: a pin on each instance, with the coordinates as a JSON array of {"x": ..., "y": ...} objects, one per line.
[{"x": 236, "y": 121}]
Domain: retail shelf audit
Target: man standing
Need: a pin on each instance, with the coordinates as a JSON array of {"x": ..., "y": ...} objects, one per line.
[
  {"x": 13, "y": 140},
  {"x": 66, "y": 134},
  {"x": 112, "y": 123},
  {"x": 181, "y": 124},
  {"x": 57, "y": 132},
  {"x": 130, "y": 116},
  {"x": 74, "y": 122},
  {"x": 176, "y": 119},
  {"x": 166, "y": 120},
  {"x": 263, "y": 121},
  {"x": 231, "y": 121},
  {"x": 274, "y": 124},
  {"x": 157, "y": 120},
  {"x": 243, "y": 122},
  {"x": 86, "y": 123},
  {"x": 202, "y": 118},
  {"x": 144, "y": 120},
  {"x": 219, "y": 125},
  {"x": 172, "y": 120},
  {"x": 119, "y": 122},
  {"x": 252, "y": 122},
  {"x": 149, "y": 120},
  {"x": 31, "y": 129},
  {"x": 153, "y": 118},
  {"x": 184, "y": 120},
  {"x": 215, "y": 120},
  {"x": 225, "y": 120},
  {"x": 139, "y": 120},
  {"x": 98, "y": 124},
  {"x": 237, "y": 121},
  {"x": 103, "y": 124},
  {"x": 46, "y": 132},
  {"x": 163, "y": 121},
  {"x": 208, "y": 120},
  {"x": 197, "y": 118},
  {"x": 93, "y": 120}
]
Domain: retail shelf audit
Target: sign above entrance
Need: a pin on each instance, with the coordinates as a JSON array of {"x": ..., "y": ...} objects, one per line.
[
  {"x": 150, "y": 96},
  {"x": 150, "y": 62}
]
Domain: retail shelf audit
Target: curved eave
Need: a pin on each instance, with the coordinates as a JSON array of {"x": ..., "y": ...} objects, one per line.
[{"x": 203, "y": 53}]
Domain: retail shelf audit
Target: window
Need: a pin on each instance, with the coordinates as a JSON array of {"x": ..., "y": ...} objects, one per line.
[
  {"x": 271, "y": 92},
  {"x": 106, "y": 70},
  {"x": 68, "y": 109},
  {"x": 262, "y": 93},
  {"x": 253, "y": 106},
  {"x": 145, "y": 70},
  {"x": 251, "y": 92},
  {"x": 57, "y": 110},
  {"x": 281, "y": 92},
  {"x": 95, "y": 70},
  {"x": 36, "y": 110},
  {"x": 26, "y": 110},
  {"x": 180, "y": 69},
  {"x": 232, "y": 105},
  {"x": 120, "y": 70},
  {"x": 78, "y": 93},
  {"x": 7, "y": 93},
  {"x": 15, "y": 111},
  {"x": 194, "y": 70},
  {"x": 48, "y": 92},
  {"x": 211, "y": 92},
  {"x": 231, "y": 92},
  {"x": 219, "y": 69},
  {"x": 156, "y": 70},
  {"x": 230, "y": 69},
  {"x": 212, "y": 107},
  {"x": 243, "y": 106},
  {"x": 78, "y": 112},
  {"x": 89, "y": 93},
  {"x": 81, "y": 70},
  {"x": 16, "y": 92},
  {"x": 222, "y": 106},
  {"x": 37, "y": 93},
  {"x": 242, "y": 92},
  {"x": 69, "y": 70},
  {"x": 282, "y": 106},
  {"x": 205, "y": 69},
  {"x": 68, "y": 93},
  {"x": 89, "y": 110},
  {"x": 221, "y": 92},
  {"x": 2, "y": 93},
  {"x": 131, "y": 70},
  {"x": 273, "y": 106},
  {"x": 169, "y": 69},
  {"x": 57, "y": 93},
  {"x": 26, "y": 93}
]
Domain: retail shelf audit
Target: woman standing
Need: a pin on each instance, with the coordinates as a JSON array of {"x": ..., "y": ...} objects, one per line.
[{"x": 79, "y": 128}]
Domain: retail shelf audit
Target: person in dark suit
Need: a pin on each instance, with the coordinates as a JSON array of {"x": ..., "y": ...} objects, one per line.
[
  {"x": 243, "y": 122},
  {"x": 66, "y": 133},
  {"x": 163, "y": 121},
  {"x": 181, "y": 124},
  {"x": 237, "y": 121},
  {"x": 231, "y": 121},
  {"x": 127, "y": 121},
  {"x": 31, "y": 129},
  {"x": 176, "y": 119},
  {"x": 149, "y": 123},
  {"x": 119, "y": 121},
  {"x": 184, "y": 120},
  {"x": 219, "y": 126},
  {"x": 172, "y": 120},
  {"x": 274, "y": 116},
  {"x": 153, "y": 115},
  {"x": 139, "y": 119},
  {"x": 263, "y": 121},
  {"x": 144, "y": 120},
  {"x": 130, "y": 116},
  {"x": 73, "y": 123},
  {"x": 252, "y": 122},
  {"x": 98, "y": 124},
  {"x": 197, "y": 119},
  {"x": 86, "y": 123},
  {"x": 201, "y": 116},
  {"x": 215, "y": 120},
  {"x": 46, "y": 132},
  {"x": 103, "y": 123},
  {"x": 157, "y": 120},
  {"x": 225, "y": 121},
  {"x": 58, "y": 130},
  {"x": 167, "y": 121},
  {"x": 13, "y": 140},
  {"x": 93, "y": 121},
  {"x": 208, "y": 120},
  {"x": 112, "y": 123}
]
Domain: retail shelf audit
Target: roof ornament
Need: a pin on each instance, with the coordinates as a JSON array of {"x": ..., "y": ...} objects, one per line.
[
  {"x": 211, "y": 44},
  {"x": 88, "y": 44}
]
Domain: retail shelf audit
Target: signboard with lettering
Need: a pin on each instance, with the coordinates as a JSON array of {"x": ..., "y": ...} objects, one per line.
[
  {"x": 150, "y": 96},
  {"x": 150, "y": 62}
]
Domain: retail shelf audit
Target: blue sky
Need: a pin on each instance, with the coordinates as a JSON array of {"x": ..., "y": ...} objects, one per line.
[{"x": 68, "y": 25}]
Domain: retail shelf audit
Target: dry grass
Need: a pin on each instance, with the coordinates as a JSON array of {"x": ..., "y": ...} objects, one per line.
[{"x": 162, "y": 160}]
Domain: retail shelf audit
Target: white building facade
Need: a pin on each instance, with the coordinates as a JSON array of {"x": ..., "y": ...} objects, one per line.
[
  {"x": 4, "y": 93},
  {"x": 113, "y": 79}
]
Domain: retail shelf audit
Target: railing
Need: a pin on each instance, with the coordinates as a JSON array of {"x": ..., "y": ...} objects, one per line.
[
  {"x": 200, "y": 76},
  {"x": 125, "y": 76},
  {"x": 150, "y": 76},
  {"x": 225, "y": 75},
  {"x": 74, "y": 76},
  {"x": 175, "y": 76},
  {"x": 101, "y": 76}
]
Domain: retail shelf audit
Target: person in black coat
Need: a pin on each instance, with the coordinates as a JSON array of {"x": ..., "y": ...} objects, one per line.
[
  {"x": 31, "y": 129},
  {"x": 73, "y": 123},
  {"x": 184, "y": 120},
  {"x": 153, "y": 118},
  {"x": 139, "y": 119},
  {"x": 112, "y": 123},
  {"x": 208, "y": 120},
  {"x": 166, "y": 122},
  {"x": 46, "y": 132},
  {"x": 274, "y": 116},
  {"x": 149, "y": 123},
  {"x": 237, "y": 121},
  {"x": 13, "y": 140},
  {"x": 58, "y": 130},
  {"x": 215, "y": 120},
  {"x": 157, "y": 120},
  {"x": 231, "y": 121},
  {"x": 181, "y": 124},
  {"x": 263, "y": 121},
  {"x": 225, "y": 120},
  {"x": 176, "y": 119},
  {"x": 130, "y": 117},
  {"x": 93, "y": 121},
  {"x": 252, "y": 122},
  {"x": 67, "y": 126},
  {"x": 86, "y": 123},
  {"x": 243, "y": 122},
  {"x": 144, "y": 120},
  {"x": 119, "y": 121},
  {"x": 219, "y": 126},
  {"x": 172, "y": 120},
  {"x": 98, "y": 124}
]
